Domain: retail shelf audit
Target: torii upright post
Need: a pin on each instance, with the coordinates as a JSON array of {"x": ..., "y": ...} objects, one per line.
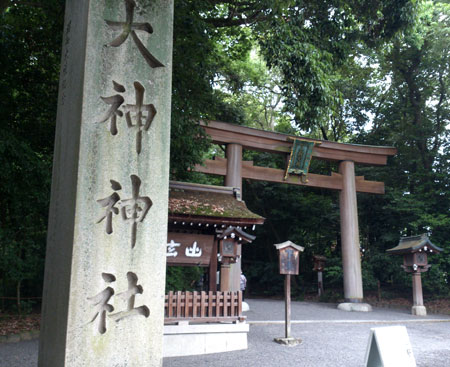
[
  {"x": 351, "y": 261},
  {"x": 234, "y": 166}
]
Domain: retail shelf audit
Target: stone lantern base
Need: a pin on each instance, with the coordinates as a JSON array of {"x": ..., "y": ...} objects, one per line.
[{"x": 419, "y": 310}]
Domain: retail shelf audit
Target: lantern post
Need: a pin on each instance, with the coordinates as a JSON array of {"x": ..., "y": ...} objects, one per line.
[
  {"x": 229, "y": 252},
  {"x": 319, "y": 265},
  {"x": 415, "y": 250},
  {"x": 289, "y": 265}
]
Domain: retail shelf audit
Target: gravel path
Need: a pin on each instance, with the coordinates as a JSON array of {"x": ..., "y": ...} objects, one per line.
[{"x": 330, "y": 338}]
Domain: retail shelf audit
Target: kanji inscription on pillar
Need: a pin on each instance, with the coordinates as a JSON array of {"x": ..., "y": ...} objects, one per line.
[
  {"x": 139, "y": 116},
  {"x": 102, "y": 307},
  {"x": 109, "y": 203},
  {"x": 105, "y": 267},
  {"x": 100, "y": 302},
  {"x": 127, "y": 28},
  {"x": 115, "y": 102},
  {"x": 133, "y": 210}
]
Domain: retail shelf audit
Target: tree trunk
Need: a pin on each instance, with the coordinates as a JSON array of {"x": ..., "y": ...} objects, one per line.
[{"x": 18, "y": 297}]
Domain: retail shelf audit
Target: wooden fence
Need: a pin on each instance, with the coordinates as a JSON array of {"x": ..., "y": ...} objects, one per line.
[{"x": 203, "y": 307}]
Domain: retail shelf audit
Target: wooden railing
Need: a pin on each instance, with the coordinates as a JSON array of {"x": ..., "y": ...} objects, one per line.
[{"x": 203, "y": 307}]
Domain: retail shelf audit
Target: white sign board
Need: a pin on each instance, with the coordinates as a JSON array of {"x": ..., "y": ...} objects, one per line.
[{"x": 389, "y": 347}]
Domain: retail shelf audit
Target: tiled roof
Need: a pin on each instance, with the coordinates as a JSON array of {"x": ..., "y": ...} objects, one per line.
[
  {"x": 413, "y": 244},
  {"x": 205, "y": 202}
]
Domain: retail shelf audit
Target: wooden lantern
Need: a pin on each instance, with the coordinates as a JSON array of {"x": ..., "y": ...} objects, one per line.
[
  {"x": 289, "y": 257},
  {"x": 229, "y": 241},
  {"x": 319, "y": 266},
  {"x": 228, "y": 248},
  {"x": 319, "y": 262},
  {"x": 415, "y": 252},
  {"x": 289, "y": 265}
]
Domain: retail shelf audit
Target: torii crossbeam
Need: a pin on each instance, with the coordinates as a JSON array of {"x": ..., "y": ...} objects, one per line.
[{"x": 234, "y": 169}]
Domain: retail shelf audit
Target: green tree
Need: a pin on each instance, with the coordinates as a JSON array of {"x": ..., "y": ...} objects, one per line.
[
  {"x": 309, "y": 43},
  {"x": 30, "y": 41},
  {"x": 411, "y": 112},
  {"x": 310, "y": 49}
]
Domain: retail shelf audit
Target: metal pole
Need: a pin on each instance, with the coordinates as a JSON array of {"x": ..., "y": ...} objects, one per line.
[{"x": 287, "y": 294}]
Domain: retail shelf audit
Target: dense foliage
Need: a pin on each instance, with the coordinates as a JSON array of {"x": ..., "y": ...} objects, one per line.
[
  {"x": 30, "y": 41},
  {"x": 394, "y": 94},
  {"x": 369, "y": 72}
]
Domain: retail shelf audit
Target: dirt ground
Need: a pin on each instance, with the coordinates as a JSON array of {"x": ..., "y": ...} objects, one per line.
[
  {"x": 440, "y": 306},
  {"x": 13, "y": 324}
]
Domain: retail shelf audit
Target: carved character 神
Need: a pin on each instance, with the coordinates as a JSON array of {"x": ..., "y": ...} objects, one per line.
[
  {"x": 115, "y": 102},
  {"x": 109, "y": 203},
  {"x": 141, "y": 111},
  {"x": 143, "y": 114},
  {"x": 135, "y": 209},
  {"x": 132, "y": 210}
]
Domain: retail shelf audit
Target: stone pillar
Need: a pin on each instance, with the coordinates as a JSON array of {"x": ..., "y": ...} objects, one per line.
[
  {"x": 103, "y": 301},
  {"x": 418, "y": 308},
  {"x": 234, "y": 179},
  {"x": 351, "y": 261}
]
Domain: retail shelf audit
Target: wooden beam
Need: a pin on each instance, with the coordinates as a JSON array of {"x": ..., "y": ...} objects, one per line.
[
  {"x": 268, "y": 141},
  {"x": 333, "y": 182},
  {"x": 371, "y": 187},
  {"x": 277, "y": 175}
]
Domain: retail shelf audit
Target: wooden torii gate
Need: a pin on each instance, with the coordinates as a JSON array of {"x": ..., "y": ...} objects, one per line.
[{"x": 235, "y": 169}]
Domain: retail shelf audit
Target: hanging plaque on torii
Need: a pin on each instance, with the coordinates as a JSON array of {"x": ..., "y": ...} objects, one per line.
[{"x": 300, "y": 158}]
